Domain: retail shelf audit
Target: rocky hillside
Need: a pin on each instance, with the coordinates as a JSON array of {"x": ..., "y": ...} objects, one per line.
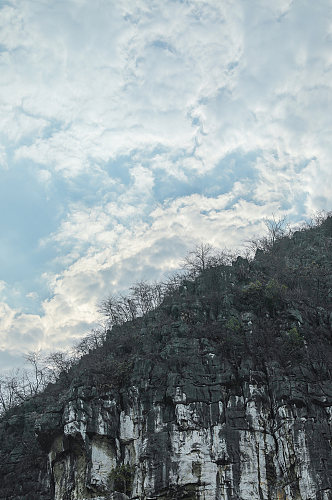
[{"x": 222, "y": 392}]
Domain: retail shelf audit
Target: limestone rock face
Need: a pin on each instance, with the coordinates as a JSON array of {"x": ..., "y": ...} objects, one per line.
[{"x": 212, "y": 431}]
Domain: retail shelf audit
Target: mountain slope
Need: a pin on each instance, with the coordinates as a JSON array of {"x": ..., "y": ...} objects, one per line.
[{"x": 222, "y": 392}]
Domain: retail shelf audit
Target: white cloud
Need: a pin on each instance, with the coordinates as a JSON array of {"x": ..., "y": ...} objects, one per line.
[
  {"x": 231, "y": 95},
  {"x": 144, "y": 251},
  {"x": 3, "y": 158},
  {"x": 148, "y": 80},
  {"x": 199, "y": 79},
  {"x": 3, "y": 285}
]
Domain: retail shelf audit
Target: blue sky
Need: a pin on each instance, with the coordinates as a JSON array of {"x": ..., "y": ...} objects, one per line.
[{"x": 132, "y": 130}]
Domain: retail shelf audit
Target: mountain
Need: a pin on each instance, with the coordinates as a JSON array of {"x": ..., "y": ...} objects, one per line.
[{"x": 223, "y": 391}]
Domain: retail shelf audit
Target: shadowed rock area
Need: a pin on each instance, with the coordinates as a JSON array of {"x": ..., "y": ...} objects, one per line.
[{"x": 222, "y": 392}]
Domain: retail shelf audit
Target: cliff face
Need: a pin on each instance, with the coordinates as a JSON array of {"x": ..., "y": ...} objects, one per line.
[
  {"x": 223, "y": 393},
  {"x": 212, "y": 431}
]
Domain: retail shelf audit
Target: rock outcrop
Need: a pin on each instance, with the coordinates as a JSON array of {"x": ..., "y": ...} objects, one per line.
[
  {"x": 210, "y": 431},
  {"x": 223, "y": 393}
]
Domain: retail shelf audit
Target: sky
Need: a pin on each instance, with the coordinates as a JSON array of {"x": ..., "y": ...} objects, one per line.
[{"x": 132, "y": 130}]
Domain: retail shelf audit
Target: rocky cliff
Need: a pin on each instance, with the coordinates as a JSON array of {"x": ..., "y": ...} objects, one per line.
[{"x": 223, "y": 392}]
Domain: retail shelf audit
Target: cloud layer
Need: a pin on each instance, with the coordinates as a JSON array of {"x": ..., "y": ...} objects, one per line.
[{"x": 131, "y": 130}]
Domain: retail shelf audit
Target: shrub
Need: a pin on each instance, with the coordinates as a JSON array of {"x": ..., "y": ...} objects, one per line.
[
  {"x": 294, "y": 337},
  {"x": 274, "y": 294},
  {"x": 121, "y": 479},
  {"x": 233, "y": 324},
  {"x": 252, "y": 294}
]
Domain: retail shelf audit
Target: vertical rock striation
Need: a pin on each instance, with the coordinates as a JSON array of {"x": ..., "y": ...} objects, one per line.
[{"x": 212, "y": 431}]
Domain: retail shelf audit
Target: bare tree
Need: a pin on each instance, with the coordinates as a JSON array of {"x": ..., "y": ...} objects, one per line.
[
  {"x": 143, "y": 297},
  {"x": 21, "y": 384},
  {"x": 198, "y": 259},
  {"x": 90, "y": 342},
  {"x": 112, "y": 309},
  {"x": 277, "y": 228},
  {"x": 10, "y": 391},
  {"x": 35, "y": 378},
  {"x": 60, "y": 362},
  {"x": 205, "y": 256},
  {"x": 146, "y": 296}
]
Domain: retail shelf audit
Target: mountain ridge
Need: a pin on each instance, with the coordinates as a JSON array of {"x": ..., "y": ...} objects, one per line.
[{"x": 223, "y": 391}]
